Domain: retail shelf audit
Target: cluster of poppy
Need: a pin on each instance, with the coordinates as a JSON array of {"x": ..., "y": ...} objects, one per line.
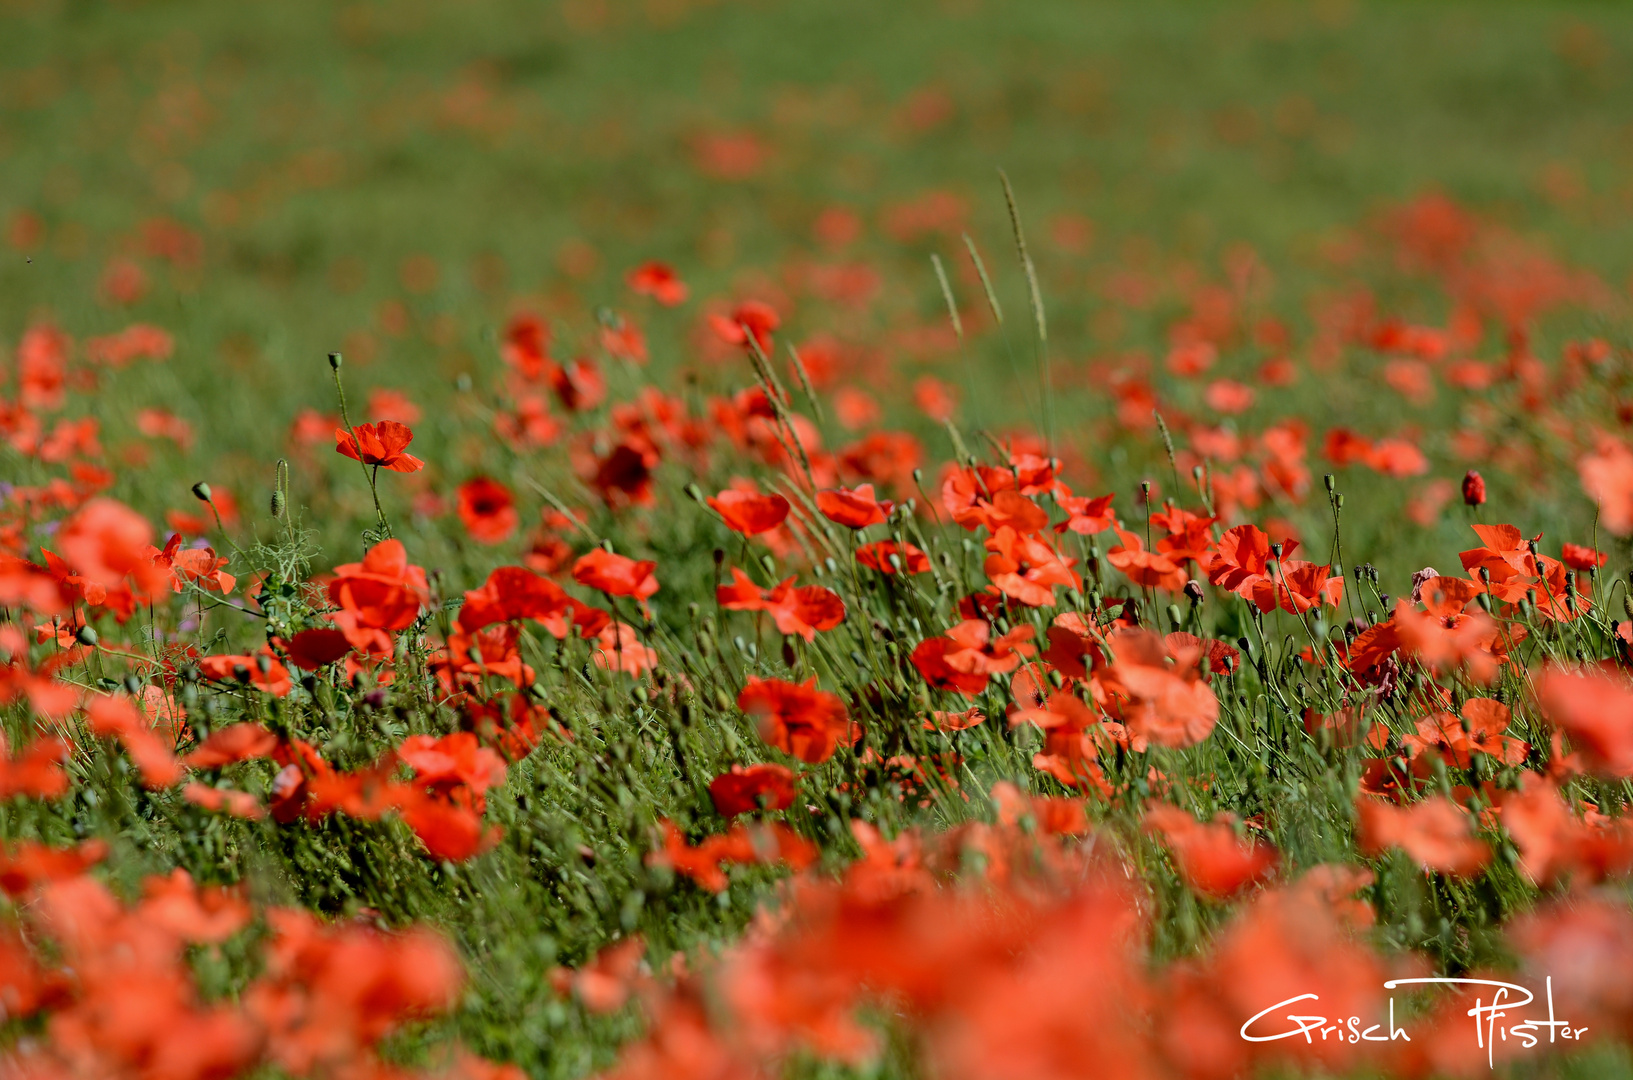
[{"x": 108, "y": 988}]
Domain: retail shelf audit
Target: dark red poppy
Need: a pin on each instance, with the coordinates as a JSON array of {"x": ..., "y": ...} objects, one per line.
[
  {"x": 907, "y": 558},
  {"x": 1474, "y": 488},
  {"x": 384, "y": 444},
  {"x": 853, "y": 508},
  {"x": 312, "y": 649},
  {"x": 749, "y": 512},
  {"x": 756, "y": 787},
  {"x": 488, "y": 510}
]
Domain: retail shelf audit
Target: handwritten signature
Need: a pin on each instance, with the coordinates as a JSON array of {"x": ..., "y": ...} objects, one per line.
[{"x": 1485, "y": 1015}]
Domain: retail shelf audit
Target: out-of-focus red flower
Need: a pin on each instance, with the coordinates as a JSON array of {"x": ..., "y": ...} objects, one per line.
[
  {"x": 1595, "y": 710},
  {"x": 1582, "y": 557},
  {"x": 120, "y": 718},
  {"x": 230, "y": 744},
  {"x": 797, "y": 718},
  {"x": 659, "y": 281},
  {"x": 1210, "y": 857},
  {"x": 753, "y": 787},
  {"x": 853, "y": 508},
  {"x": 264, "y": 671},
  {"x": 1157, "y": 695},
  {"x": 616, "y": 575},
  {"x": 1436, "y": 833},
  {"x": 619, "y": 647},
  {"x": 1150, "y": 569},
  {"x": 108, "y": 544},
  {"x": 889, "y": 557},
  {"x": 487, "y": 510},
  {"x": 749, "y": 512},
  {"x": 605, "y": 983},
  {"x": 36, "y": 772},
  {"x": 751, "y": 317},
  {"x": 224, "y": 800},
  {"x": 1607, "y": 478},
  {"x": 28, "y": 864},
  {"x": 391, "y": 404},
  {"x": 384, "y": 444}
]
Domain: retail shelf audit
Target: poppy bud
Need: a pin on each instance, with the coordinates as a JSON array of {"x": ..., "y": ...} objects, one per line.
[
  {"x": 1474, "y": 488},
  {"x": 133, "y": 685},
  {"x": 201, "y": 491},
  {"x": 334, "y": 361},
  {"x": 1194, "y": 591},
  {"x": 277, "y": 504},
  {"x": 1331, "y": 482},
  {"x": 85, "y": 636},
  {"x": 694, "y": 493}
]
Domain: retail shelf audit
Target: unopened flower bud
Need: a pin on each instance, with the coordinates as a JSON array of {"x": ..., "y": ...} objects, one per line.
[
  {"x": 201, "y": 491},
  {"x": 277, "y": 504},
  {"x": 1193, "y": 589},
  {"x": 334, "y": 360},
  {"x": 1474, "y": 488},
  {"x": 85, "y": 636}
]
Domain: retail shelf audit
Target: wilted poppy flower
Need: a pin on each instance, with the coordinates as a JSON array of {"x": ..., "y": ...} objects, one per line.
[
  {"x": 755, "y": 787},
  {"x": 854, "y": 509},
  {"x": 616, "y": 575},
  {"x": 888, "y": 557},
  {"x": 384, "y": 445},
  {"x": 797, "y": 718},
  {"x": 488, "y": 510},
  {"x": 659, "y": 281},
  {"x": 749, "y": 512}
]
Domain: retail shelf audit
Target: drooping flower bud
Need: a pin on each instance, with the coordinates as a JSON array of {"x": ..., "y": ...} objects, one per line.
[{"x": 1474, "y": 488}]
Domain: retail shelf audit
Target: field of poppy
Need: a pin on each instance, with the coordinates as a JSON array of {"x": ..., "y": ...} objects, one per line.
[{"x": 696, "y": 539}]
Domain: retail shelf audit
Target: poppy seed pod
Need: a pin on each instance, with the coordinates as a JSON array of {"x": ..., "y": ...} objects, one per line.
[
  {"x": 201, "y": 491},
  {"x": 1474, "y": 488}
]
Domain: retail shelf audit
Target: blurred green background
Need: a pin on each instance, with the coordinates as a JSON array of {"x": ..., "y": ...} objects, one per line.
[{"x": 269, "y": 182}]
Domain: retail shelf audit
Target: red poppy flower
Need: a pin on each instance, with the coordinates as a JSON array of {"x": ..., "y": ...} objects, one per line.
[
  {"x": 488, "y": 510},
  {"x": 616, "y": 575},
  {"x": 659, "y": 281},
  {"x": 1436, "y": 833},
  {"x": 1026, "y": 569},
  {"x": 853, "y": 508},
  {"x": 1595, "y": 710},
  {"x": 1210, "y": 857},
  {"x": 749, "y": 512},
  {"x": 265, "y": 672},
  {"x": 797, "y": 718},
  {"x": 879, "y": 556},
  {"x": 968, "y": 655},
  {"x": 120, "y": 718},
  {"x": 383, "y": 444},
  {"x": 515, "y": 592},
  {"x": 36, "y": 772},
  {"x": 801, "y": 611},
  {"x": 233, "y": 743},
  {"x": 1582, "y": 557},
  {"x": 750, "y": 317},
  {"x": 618, "y": 647},
  {"x": 313, "y": 649},
  {"x": 224, "y": 801},
  {"x": 383, "y": 592},
  {"x": 766, "y": 786}
]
